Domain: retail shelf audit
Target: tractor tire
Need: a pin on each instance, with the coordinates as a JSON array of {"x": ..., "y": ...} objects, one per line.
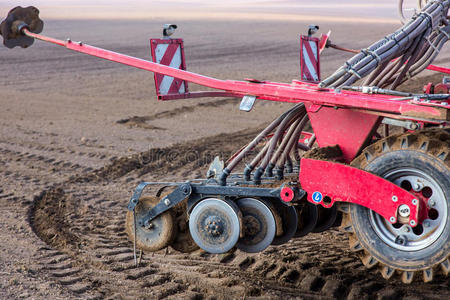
[{"x": 420, "y": 163}]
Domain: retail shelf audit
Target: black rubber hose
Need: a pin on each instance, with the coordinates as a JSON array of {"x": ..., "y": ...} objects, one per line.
[
  {"x": 293, "y": 140},
  {"x": 281, "y": 147},
  {"x": 390, "y": 47},
  {"x": 233, "y": 163},
  {"x": 281, "y": 128},
  {"x": 249, "y": 168},
  {"x": 417, "y": 47}
]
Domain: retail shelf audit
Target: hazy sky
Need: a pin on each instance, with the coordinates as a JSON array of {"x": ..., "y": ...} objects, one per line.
[{"x": 367, "y": 11}]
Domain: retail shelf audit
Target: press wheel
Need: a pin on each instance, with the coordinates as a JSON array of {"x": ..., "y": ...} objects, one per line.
[
  {"x": 215, "y": 225},
  {"x": 159, "y": 234},
  {"x": 259, "y": 226}
]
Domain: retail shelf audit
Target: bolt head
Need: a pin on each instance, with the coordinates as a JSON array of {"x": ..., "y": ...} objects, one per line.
[
  {"x": 431, "y": 203},
  {"x": 167, "y": 201},
  {"x": 412, "y": 222},
  {"x": 404, "y": 210},
  {"x": 401, "y": 240},
  {"x": 406, "y": 229},
  {"x": 426, "y": 224},
  {"x": 394, "y": 198},
  {"x": 392, "y": 219}
]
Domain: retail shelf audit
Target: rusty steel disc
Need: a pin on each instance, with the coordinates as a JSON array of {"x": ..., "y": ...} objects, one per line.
[
  {"x": 162, "y": 229},
  {"x": 17, "y": 19}
]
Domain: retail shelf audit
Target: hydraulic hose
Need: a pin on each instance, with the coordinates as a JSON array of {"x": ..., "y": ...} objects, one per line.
[
  {"x": 233, "y": 163},
  {"x": 280, "y": 130},
  {"x": 368, "y": 60}
]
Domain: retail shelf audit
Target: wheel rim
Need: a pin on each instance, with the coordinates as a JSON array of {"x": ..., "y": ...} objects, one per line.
[{"x": 403, "y": 236}]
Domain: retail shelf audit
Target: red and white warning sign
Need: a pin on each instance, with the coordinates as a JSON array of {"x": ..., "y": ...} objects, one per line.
[
  {"x": 309, "y": 58},
  {"x": 169, "y": 52}
]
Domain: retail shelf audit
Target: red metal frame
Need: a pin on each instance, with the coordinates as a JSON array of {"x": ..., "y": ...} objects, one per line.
[
  {"x": 327, "y": 182},
  {"x": 345, "y": 118},
  {"x": 439, "y": 69},
  {"x": 296, "y": 92},
  {"x": 349, "y": 129}
]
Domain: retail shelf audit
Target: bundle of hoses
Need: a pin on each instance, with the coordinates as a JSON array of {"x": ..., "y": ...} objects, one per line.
[
  {"x": 401, "y": 55},
  {"x": 276, "y": 153}
]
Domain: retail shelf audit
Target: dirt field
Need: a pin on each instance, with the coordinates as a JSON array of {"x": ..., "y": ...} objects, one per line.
[{"x": 73, "y": 134}]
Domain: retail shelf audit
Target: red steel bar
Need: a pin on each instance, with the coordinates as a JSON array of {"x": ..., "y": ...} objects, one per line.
[
  {"x": 296, "y": 92},
  {"x": 439, "y": 69}
]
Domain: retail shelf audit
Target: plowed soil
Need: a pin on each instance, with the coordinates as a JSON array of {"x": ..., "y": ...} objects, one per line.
[{"x": 77, "y": 134}]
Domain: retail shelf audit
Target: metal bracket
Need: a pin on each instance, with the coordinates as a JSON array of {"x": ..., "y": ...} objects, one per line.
[
  {"x": 220, "y": 190},
  {"x": 215, "y": 168},
  {"x": 140, "y": 188},
  {"x": 179, "y": 194},
  {"x": 137, "y": 195},
  {"x": 410, "y": 125},
  {"x": 247, "y": 103},
  {"x": 196, "y": 192}
]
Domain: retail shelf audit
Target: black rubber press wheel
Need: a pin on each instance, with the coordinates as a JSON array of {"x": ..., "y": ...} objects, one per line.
[{"x": 420, "y": 163}]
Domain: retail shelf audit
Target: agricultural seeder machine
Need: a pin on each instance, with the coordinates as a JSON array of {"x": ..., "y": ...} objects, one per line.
[{"x": 351, "y": 151}]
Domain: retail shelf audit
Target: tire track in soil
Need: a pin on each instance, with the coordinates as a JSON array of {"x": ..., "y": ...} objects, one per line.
[{"x": 83, "y": 220}]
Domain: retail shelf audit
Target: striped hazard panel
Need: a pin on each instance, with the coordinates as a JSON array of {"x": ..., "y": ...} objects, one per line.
[
  {"x": 169, "y": 52},
  {"x": 309, "y": 58}
]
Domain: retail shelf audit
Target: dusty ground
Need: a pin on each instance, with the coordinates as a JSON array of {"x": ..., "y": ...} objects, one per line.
[{"x": 73, "y": 130}]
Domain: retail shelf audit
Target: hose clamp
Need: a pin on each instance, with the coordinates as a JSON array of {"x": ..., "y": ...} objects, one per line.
[
  {"x": 373, "y": 54},
  {"x": 427, "y": 15},
  {"x": 353, "y": 72}
]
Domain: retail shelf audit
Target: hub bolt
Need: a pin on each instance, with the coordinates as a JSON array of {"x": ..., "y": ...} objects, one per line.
[
  {"x": 401, "y": 240},
  {"x": 418, "y": 186},
  {"x": 431, "y": 203},
  {"x": 426, "y": 223},
  {"x": 404, "y": 210},
  {"x": 406, "y": 229}
]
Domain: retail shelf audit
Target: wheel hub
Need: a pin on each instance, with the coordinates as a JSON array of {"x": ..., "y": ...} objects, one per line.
[
  {"x": 214, "y": 226},
  {"x": 251, "y": 226},
  {"x": 432, "y": 214}
]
